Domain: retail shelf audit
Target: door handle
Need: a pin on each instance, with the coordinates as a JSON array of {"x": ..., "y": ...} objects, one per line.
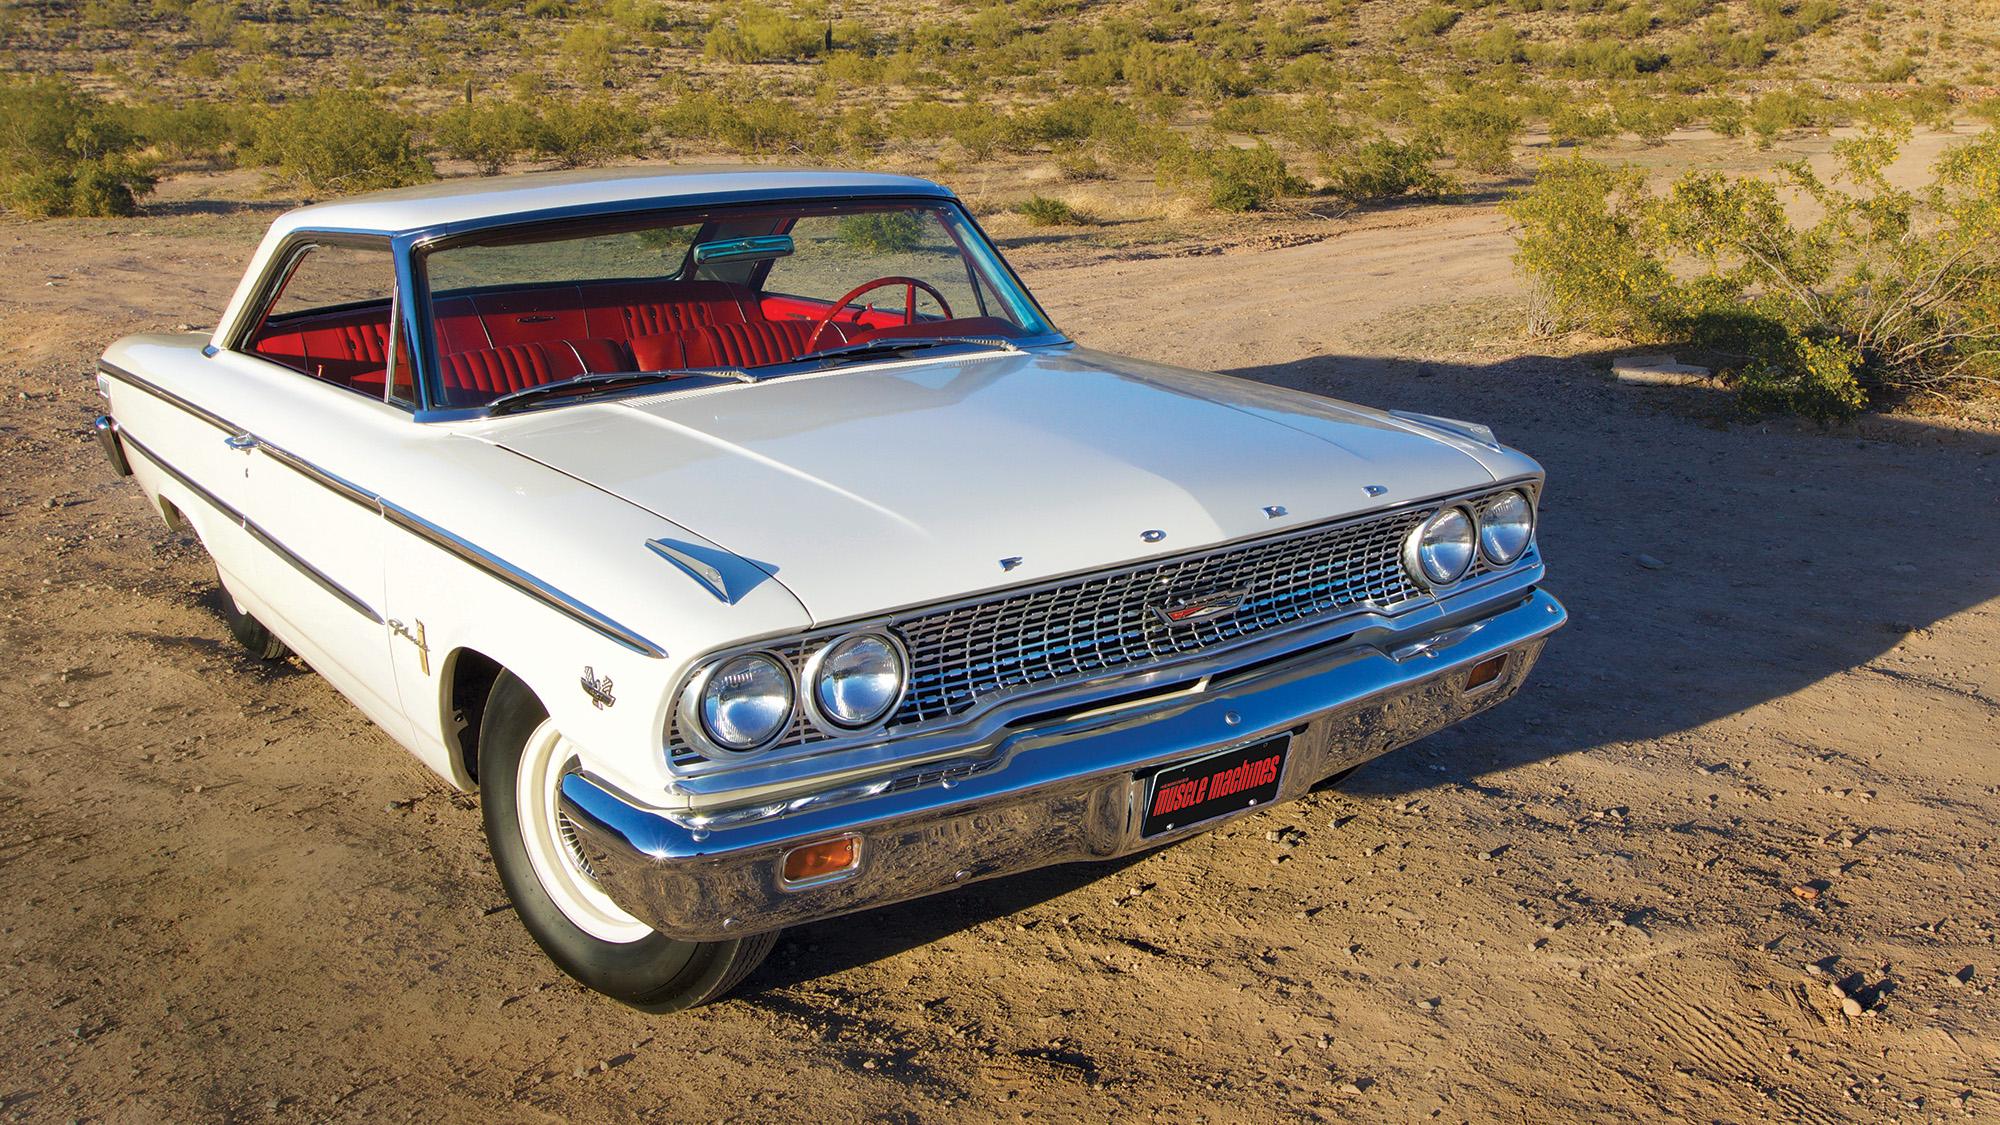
[{"x": 242, "y": 443}]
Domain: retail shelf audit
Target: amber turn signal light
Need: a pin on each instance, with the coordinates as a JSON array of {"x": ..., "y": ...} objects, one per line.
[
  {"x": 812, "y": 862},
  {"x": 1485, "y": 672}
]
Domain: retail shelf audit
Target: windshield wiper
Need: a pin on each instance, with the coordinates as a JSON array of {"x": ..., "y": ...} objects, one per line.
[
  {"x": 905, "y": 344},
  {"x": 602, "y": 381}
]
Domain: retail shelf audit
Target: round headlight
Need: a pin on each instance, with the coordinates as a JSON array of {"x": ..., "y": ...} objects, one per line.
[
  {"x": 1440, "y": 551},
  {"x": 858, "y": 679},
  {"x": 746, "y": 701},
  {"x": 1505, "y": 527}
]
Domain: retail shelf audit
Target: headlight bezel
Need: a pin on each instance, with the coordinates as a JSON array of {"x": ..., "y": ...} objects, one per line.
[
  {"x": 1414, "y": 544},
  {"x": 1527, "y": 538},
  {"x": 809, "y": 682},
  {"x": 693, "y": 704}
]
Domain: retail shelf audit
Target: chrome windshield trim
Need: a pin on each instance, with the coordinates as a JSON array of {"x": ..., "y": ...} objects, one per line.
[{"x": 345, "y": 596}]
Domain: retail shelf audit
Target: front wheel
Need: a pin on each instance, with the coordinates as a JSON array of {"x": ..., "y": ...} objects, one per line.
[{"x": 522, "y": 757}]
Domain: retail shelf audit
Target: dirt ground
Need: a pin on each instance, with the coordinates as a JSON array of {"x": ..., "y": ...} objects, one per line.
[{"x": 1758, "y": 767}]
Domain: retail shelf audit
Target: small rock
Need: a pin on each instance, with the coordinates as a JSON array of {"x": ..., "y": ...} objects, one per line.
[
  {"x": 1430, "y": 1005},
  {"x": 1350, "y": 1088},
  {"x": 1649, "y": 562},
  {"x": 1815, "y": 970},
  {"x": 1850, "y": 1007},
  {"x": 1806, "y": 894}
]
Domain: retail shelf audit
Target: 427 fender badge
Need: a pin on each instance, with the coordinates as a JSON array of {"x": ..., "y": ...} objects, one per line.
[{"x": 598, "y": 688}]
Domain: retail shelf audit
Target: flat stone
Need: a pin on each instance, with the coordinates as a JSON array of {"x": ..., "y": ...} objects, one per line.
[{"x": 1658, "y": 371}]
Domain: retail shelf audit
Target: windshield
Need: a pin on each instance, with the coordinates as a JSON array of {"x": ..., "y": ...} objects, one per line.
[{"x": 740, "y": 288}]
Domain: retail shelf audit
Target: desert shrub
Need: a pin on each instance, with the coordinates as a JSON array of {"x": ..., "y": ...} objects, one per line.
[
  {"x": 1571, "y": 123},
  {"x": 1382, "y": 169},
  {"x": 1500, "y": 45},
  {"x": 211, "y": 22},
  {"x": 587, "y": 130},
  {"x": 976, "y": 128},
  {"x": 754, "y": 33},
  {"x": 1886, "y": 290},
  {"x": 197, "y": 130},
  {"x": 590, "y": 53},
  {"x": 104, "y": 185},
  {"x": 490, "y": 133},
  {"x": 882, "y": 232},
  {"x": 1478, "y": 130},
  {"x": 1231, "y": 178},
  {"x": 1042, "y": 211},
  {"x": 64, "y": 152},
  {"x": 339, "y": 141},
  {"x": 1777, "y": 112},
  {"x": 1432, "y": 21}
]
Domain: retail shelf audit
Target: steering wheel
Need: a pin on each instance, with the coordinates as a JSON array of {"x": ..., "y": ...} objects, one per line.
[{"x": 910, "y": 286}]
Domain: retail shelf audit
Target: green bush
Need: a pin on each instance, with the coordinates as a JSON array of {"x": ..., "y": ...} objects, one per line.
[
  {"x": 882, "y": 232},
  {"x": 198, "y": 130},
  {"x": 491, "y": 133},
  {"x": 1886, "y": 290},
  {"x": 1432, "y": 21},
  {"x": 1478, "y": 130},
  {"x": 1042, "y": 211},
  {"x": 588, "y": 130},
  {"x": 104, "y": 185},
  {"x": 1231, "y": 178},
  {"x": 1383, "y": 169},
  {"x": 64, "y": 152},
  {"x": 339, "y": 141},
  {"x": 753, "y": 33}
]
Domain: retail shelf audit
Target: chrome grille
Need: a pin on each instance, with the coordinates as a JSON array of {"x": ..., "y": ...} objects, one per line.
[
  {"x": 1107, "y": 622},
  {"x": 964, "y": 655}
]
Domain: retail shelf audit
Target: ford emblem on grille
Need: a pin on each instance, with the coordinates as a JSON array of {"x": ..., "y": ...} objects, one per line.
[{"x": 1205, "y": 608}]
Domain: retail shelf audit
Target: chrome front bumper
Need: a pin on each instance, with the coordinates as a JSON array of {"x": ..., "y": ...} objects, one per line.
[{"x": 1067, "y": 789}]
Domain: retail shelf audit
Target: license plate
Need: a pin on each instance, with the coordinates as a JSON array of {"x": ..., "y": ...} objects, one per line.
[{"x": 1214, "y": 786}]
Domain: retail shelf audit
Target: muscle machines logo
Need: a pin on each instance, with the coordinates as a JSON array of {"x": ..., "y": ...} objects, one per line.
[{"x": 1189, "y": 792}]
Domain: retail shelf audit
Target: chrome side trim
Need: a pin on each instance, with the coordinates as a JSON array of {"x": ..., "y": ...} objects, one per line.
[
  {"x": 519, "y": 579},
  {"x": 167, "y": 396},
  {"x": 395, "y": 513},
  {"x": 696, "y": 569},
  {"x": 259, "y": 534}
]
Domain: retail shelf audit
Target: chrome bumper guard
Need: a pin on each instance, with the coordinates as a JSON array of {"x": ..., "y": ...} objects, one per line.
[
  {"x": 1064, "y": 790},
  {"x": 105, "y": 429}
]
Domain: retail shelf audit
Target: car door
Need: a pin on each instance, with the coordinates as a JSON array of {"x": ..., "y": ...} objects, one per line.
[{"x": 315, "y": 402}]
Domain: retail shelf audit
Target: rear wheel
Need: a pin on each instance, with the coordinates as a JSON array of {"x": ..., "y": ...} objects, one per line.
[
  {"x": 248, "y": 631},
  {"x": 522, "y": 757}
]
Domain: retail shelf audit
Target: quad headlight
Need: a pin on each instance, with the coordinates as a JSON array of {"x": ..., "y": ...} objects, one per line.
[
  {"x": 1441, "y": 549},
  {"x": 746, "y": 701},
  {"x": 857, "y": 680},
  {"x": 1506, "y": 527}
]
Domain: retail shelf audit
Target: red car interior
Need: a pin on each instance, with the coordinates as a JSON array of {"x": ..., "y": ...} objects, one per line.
[{"x": 497, "y": 342}]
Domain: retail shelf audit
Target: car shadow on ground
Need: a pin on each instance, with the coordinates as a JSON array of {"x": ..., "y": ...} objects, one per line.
[{"x": 1709, "y": 564}]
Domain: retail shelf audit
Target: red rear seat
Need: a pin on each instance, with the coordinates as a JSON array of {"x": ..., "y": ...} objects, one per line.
[{"x": 513, "y": 367}]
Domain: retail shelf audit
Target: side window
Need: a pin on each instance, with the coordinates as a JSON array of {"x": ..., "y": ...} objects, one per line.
[{"x": 332, "y": 318}]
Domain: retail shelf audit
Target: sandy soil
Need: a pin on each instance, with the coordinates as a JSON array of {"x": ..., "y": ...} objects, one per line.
[{"x": 1759, "y": 765}]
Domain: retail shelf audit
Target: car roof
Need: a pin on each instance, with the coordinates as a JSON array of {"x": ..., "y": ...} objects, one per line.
[{"x": 500, "y": 199}]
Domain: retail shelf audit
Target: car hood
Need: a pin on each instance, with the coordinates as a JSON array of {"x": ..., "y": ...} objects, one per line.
[{"x": 869, "y": 489}]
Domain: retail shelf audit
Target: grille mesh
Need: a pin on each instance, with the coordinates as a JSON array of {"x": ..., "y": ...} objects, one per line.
[{"x": 964, "y": 655}]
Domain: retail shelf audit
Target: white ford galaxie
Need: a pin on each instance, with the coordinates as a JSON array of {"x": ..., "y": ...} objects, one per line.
[{"x": 761, "y": 552}]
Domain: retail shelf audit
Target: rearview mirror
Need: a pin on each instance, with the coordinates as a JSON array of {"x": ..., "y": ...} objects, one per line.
[{"x": 757, "y": 248}]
